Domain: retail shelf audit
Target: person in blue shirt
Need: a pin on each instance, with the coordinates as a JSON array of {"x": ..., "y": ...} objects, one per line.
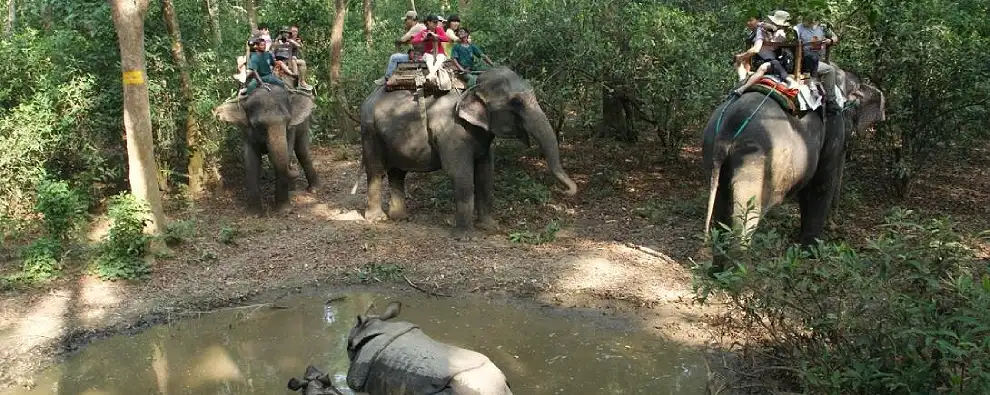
[
  {"x": 464, "y": 53},
  {"x": 259, "y": 66}
]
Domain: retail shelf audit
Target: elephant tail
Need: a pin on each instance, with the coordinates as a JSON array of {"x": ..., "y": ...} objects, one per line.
[{"x": 720, "y": 151}]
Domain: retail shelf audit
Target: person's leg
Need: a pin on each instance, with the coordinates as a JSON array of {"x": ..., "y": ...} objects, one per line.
[
  {"x": 761, "y": 70},
  {"x": 430, "y": 67},
  {"x": 742, "y": 64},
  {"x": 393, "y": 62},
  {"x": 301, "y": 72},
  {"x": 827, "y": 74}
]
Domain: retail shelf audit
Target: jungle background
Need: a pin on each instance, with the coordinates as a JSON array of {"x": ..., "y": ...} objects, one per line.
[{"x": 628, "y": 86}]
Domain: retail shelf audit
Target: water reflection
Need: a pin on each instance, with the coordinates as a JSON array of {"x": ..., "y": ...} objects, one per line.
[{"x": 256, "y": 351}]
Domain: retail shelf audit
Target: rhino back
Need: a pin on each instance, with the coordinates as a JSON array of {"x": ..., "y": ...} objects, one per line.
[{"x": 416, "y": 364}]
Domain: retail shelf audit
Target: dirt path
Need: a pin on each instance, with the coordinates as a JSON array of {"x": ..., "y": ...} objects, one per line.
[
  {"x": 625, "y": 246},
  {"x": 605, "y": 257}
]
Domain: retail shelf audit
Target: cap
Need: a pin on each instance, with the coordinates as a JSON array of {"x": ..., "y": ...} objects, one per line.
[
  {"x": 410, "y": 15},
  {"x": 453, "y": 18}
]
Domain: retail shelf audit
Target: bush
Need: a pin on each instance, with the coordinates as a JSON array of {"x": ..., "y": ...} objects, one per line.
[
  {"x": 122, "y": 252},
  {"x": 909, "y": 312}
]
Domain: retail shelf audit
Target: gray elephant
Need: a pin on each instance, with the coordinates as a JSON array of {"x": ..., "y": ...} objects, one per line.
[
  {"x": 274, "y": 121},
  {"x": 452, "y": 131},
  {"x": 755, "y": 151},
  {"x": 397, "y": 358}
]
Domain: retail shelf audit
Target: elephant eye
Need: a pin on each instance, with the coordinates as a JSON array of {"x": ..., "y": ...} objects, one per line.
[{"x": 516, "y": 102}]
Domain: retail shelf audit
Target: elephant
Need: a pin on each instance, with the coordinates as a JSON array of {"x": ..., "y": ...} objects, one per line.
[
  {"x": 397, "y": 358},
  {"x": 452, "y": 131},
  {"x": 755, "y": 150},
  {"x": 314, "y": 382},
  {"x": 274, "y": 120}
]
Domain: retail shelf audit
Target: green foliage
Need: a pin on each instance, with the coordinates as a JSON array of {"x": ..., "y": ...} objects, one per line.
[
  {"x": 228, "y": 235},
  {"x": 910, "y": 312},
  {"x": 42, "y": 259},
  {"x": 379, "y": 272},
  {"x": 122, "y": 252},
  {"x": 63, "y": 208},
  {"x": 547, "y": 235},
  {"x": 177, "y": 232}
]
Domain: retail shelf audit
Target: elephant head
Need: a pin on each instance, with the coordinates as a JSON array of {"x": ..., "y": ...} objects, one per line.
[
  {"x": 267, "y": 117},
  {"x": 505, "y": 105},
  {"x": 866, "y": 104}
]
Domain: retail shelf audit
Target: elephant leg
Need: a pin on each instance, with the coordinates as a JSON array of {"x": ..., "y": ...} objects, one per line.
[
  {"x": 278, "y": 154},
  {"x": 484, "y": 191},
  {"x": 252, "y": 169},
  {"x": 397, "y": 194},
  {"x": 722, "y": 214},
  {"x": 817, "y": 197},
  {"x": 306, "y": 160},
  {"x": 293, "y": 172},
  {"x": 460, "y": 167}
]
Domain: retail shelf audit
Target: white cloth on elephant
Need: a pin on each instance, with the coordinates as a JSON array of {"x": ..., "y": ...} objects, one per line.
[{"x": 434, "y": 64}]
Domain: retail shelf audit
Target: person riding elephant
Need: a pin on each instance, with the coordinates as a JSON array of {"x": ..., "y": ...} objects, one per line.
[
  {"x": 452, "y": 131},
  {"x": 260, "y": 66},
  {"x": 396, "y": 358},
  {"x": 757, "y": 154},
  {"x": 274, "y": 121}
]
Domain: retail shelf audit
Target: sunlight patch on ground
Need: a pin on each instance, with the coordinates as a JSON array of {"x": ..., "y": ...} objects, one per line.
[
  {"x": 308, "y": 205},
  {"x": 96, "y": 299},
  {"x": 44, "y": 323}
]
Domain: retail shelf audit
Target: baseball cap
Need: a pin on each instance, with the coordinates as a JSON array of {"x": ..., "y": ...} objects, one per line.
[{"x": 410, "y": 15}]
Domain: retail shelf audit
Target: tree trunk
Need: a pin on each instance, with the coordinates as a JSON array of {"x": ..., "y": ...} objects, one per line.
[
  {"x": 128, "y": 19},
  {"x": 11, "y": 18},
  {"x": 369, "y": 22},
  {"x": 337, "y": 40},
  {"x": 196, "y": 161},
  {"x": 412, "y": 3},
  {"x": 252, "y": 14},
  {"x": 213, "y": 10},
  {"x": 462, "y": 5}
]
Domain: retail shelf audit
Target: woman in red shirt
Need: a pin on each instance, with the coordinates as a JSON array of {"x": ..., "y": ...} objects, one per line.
[{"x": 431, "y": 39}]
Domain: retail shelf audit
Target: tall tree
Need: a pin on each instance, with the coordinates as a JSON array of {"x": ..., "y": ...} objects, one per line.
[
  {"x": 213, "y": 10},
  {"x": 195, "y": 169},
  {"x": 369, "y": 22},
  {"x": 11, "y": 17},
  {"x": 252, "y": 14},
  {"x": 337, "y": 39},
  {"x": 128, "y": 19}
]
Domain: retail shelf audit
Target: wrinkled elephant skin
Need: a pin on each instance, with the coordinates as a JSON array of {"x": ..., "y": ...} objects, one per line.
[
  {"x": 276, "y": 122},
  {"x": 397, "y": 358},
  {"x": 452, "y": 132},
  {"x": 776, "y": 156}
]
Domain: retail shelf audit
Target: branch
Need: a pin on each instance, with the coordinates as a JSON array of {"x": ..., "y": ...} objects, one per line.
[{"x": 418, "y": 288}]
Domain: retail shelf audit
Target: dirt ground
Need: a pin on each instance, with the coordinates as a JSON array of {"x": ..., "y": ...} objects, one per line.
[{"x": 626, "y": 245}]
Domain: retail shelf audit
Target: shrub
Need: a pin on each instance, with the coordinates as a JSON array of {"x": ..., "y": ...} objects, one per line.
[
  {"x": 122, "y": 252},
  {"x": 909, "y": 312}
]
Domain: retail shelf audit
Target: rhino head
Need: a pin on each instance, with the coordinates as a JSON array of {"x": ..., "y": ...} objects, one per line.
[
  {"x": 314, "y": 382},
  {"x": 369, "y": 327}
]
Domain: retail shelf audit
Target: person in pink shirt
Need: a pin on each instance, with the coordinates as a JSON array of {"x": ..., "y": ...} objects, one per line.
[{"x": 431, "y": 39}]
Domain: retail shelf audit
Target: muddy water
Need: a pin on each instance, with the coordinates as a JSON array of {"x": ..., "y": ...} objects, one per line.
[{"x": 256, "y": 350}]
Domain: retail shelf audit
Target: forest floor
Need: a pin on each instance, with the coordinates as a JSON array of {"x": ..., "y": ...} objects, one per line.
[{"x": 625, "y": 245}]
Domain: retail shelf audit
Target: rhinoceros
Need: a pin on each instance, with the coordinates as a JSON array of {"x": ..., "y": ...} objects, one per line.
[{"x": 397, "y": 358}]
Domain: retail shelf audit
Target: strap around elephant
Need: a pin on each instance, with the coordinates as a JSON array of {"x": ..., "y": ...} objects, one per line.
[{"x": 718, "y": 123}]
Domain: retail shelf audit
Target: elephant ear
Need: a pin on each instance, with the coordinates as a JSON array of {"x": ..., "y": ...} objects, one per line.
[
  {"x": 302, "y": 107},
  {"x": 870, "y": 106},
  {"x": 473, "y": 109},
  {"x": 231, "y": 112}
]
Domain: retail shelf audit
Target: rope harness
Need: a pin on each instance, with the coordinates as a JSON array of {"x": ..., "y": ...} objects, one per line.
[{"x": 718, "y": 123}]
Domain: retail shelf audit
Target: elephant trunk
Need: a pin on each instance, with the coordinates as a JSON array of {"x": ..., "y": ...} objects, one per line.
[
  {"x": 538, "y": 126},
  {"x": 278, "y": 154}
]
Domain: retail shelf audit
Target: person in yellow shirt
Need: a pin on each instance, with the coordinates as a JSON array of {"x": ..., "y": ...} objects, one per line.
[{"x": 452, "y": 23}]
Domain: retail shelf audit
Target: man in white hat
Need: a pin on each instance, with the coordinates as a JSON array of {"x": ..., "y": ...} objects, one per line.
[
  {"x": 815, "y": 39},
  {"x": 413, "y": 27}
]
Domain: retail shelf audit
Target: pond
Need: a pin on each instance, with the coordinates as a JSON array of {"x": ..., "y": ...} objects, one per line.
[{"x": 256, "y": 350}]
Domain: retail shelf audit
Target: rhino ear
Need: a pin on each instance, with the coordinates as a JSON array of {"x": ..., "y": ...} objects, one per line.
[
  {"x": 392, "y": 311},
  {"x": 360, "y": 321}
]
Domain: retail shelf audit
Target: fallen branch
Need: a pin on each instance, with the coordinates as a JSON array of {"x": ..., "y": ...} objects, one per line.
[
  {"x": 253, "y": 306},
  {"x": 426, "y": 291}
]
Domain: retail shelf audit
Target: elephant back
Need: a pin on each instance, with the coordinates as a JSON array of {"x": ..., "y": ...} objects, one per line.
[{"x": 414, "y": 363}]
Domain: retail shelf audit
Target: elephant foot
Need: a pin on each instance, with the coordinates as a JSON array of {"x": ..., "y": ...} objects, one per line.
[
  {"x": 293, "y": 173},
  {"x": 312, "y": 187},
  {"x": 255, "y": 209},
  {"x": 463, "y": 234},
  {"x": 488, "y": 224},
  {"x": 398, "y": 215},
  {"x": 374, "y": 215}
]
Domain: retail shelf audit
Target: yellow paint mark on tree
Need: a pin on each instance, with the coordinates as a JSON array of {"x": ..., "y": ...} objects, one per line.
[{"x": 133, "y": 77}]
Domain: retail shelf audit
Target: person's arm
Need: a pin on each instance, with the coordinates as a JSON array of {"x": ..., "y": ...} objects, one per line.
[
  {"x": 458, "y": 64},
  {"x": 476, "y": 51},
  {"x": 833, "y": 38},
  {"x": 419, "y": 37},
  {"x": 442, "y": 35},
  {"x": 413, "y": 31}
]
